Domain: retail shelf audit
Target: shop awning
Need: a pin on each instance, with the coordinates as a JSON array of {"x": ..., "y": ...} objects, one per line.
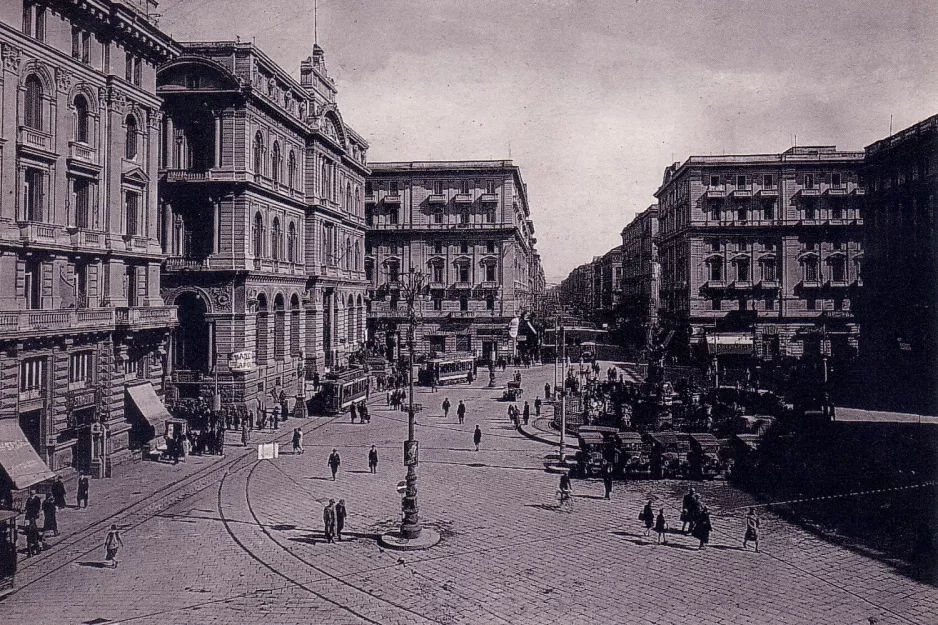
[
  {"x": 730, "y": 344},
  {"x": 20, "y": 461},
  {"x": 146, "y": 400}
]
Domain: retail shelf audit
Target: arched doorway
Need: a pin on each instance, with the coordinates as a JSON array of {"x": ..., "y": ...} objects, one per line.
[{"x": 191, "y": 339}]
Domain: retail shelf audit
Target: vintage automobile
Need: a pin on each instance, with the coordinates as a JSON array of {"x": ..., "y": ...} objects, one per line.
[
  {"x": 597, "y": 443},
  {"x": 706, "y": 457},
  {"x": 513, "y": 392},
  {"x": 634, "y": 455},
  {"x": 669, "y": 456}
]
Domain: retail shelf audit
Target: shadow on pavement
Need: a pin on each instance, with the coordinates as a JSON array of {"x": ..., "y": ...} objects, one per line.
[{"x": 95, "y": 565}]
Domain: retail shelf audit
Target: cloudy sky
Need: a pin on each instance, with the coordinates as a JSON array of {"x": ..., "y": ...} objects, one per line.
[{"x": 593, "y": 99}]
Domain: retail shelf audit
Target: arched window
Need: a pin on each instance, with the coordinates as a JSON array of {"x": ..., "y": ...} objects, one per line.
[
  {"x": 291, "y": 243},
  {"x": 350, "y": 320},
  {"x": 358, "y": 200},
  {"x": 130, "y": 145},
  {"x": 258, "y": 154},
  {"x": 81, "y": 119},
  {"x": 280, "y": 322},
  {"x": 324, "y": 179},
  {"x": 348, "y": 253},
  {"x": 275, "y": 239},
  {"x": 291, "y": 170},
  {"x": 32, "y": 103},
  {"x": 275, "y": 159},
  {"x": 257, "y": 236},
  {"x": 348, "y": 198},
  {"x": 358, "y": 257},
  {"x": 260, "y": 337},
  {"x": 295, "y": 325}
]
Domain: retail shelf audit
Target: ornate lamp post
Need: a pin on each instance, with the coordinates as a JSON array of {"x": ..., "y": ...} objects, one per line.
[{"x": 411, "y": 289}]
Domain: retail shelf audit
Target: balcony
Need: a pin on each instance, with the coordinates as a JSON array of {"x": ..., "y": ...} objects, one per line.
[
  {"x": 741, "y": 192},
  {"x": 463, "y": 198},
  {"x": 34, "y": 232},
  {"x": 82, "y": 152},
  {"x": 464, "y": 314},
  {"x": 769, "y": 285},
  {"x": 812, "y": 192},
  {"x": 144, "y": 317},
  {"x": 135, "y": 243},
  {"x": 183, "y": 263},
  {"x": 462, "y": 285},
  {"x": 436, "y": 198},
  {"x": 836, "y": 192},
  {"x": 489, "y": 198},
  {"x": 715, "y": 192},
  {"x": 437, "y": 286},
  {"x": 715, "y": 284},
  {"x": 187, "y": 377},
  {"x": 33, "y": 322},
  {"x": 768, "y": 192},
  {"x": 742, "y": 285},
  {"x": 811, "y": 284},
  {"x": 31, "y": 138},
  {"x": 838, "y": 284},
  {"x": 392, "y": 198},
  {"x": 371, "y": 198},
  {"x": 488, "y": 284},
  {"x": 88, "y": 239}
]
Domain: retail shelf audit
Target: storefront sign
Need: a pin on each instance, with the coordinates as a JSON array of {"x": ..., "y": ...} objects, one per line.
[
  {"x": 241, "y": 362},
  {"x": 513, "y": 327}
]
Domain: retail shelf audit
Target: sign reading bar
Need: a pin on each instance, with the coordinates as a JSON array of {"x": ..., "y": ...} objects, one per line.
[{"x": 241, "y": 362}]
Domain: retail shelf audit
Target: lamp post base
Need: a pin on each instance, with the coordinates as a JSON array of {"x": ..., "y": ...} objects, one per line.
[{"x": 393, "y": 540}]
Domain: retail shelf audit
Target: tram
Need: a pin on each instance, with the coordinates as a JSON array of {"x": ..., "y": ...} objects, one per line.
[
  {"x": 7, "y": 550},
  {"x": 337, "y": 392},
  {"x": 440, "y": 371}
]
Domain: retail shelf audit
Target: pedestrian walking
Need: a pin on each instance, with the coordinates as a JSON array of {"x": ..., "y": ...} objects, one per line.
[
  {"x": 752, "y": 529},
  {"x": 33, "y": 507},
  {"x": 537, "y": 406},
  {"x": 34, "y": 543},
  {"x": 661, "y": 526},
  {"x": 446, "y": 406},
  {"x": 334, "y": 462},
  {"x": 112, "y": 543},
  {"x": 297, "y": 441},
  {"x": 275, "y": 416},
  {"x": 353, "y": 411},
  {"x": 387, "y": 397},
  {"x": 340, "y": 513},
  {"x": 84, "y": 484},
  {"x": 702, "y": 528},
  {"x": 373, "y": 459},
  {"x": 328, "y": 521},
  {"x": 648, "y": 516},
  {"x": 526, "y": 412},
  {"x": 689, "y": 508},
  {"x": 58, "y": 492},
  {"x": 49, "y": 522},
  {"x": 547, "y": 391},
  {"x": 220, "y": 441},
  {"x": 607, "y": 478},
  {"x": 461, "y": 411},
  {"x": 476, "y": 436},
  {"x": 250, "y": 419},
  {"x": 245, "y": 432}
]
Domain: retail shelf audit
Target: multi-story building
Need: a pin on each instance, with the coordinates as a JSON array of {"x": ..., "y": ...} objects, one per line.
[
  {"x": 610, "y": 289},
  {"x": 760, "y": 254},
  {"x": 262, "y": 218},
  {"x": 640, "y": 273},
  {"x": 900, "y": 280},
  {"x": 81, "y": 319},
  {"x": 466, "y": 226},
  {"x": 577, "y": 291}
]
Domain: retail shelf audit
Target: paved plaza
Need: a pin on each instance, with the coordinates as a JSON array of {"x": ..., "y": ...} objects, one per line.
[{"x": 233, "y": 539}]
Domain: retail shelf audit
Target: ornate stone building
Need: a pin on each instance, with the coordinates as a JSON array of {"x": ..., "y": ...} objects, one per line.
[
  {"x": 81, "y": 318},
  {"x": 262, "y": 219},
  {"x": 467, "y": 227},
  {"x": 640, "y": 273},
  {"x": 760, "y": 254}
]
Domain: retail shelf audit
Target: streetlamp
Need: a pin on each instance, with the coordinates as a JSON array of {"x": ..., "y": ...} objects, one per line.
[{"x": 411, "y": 288}]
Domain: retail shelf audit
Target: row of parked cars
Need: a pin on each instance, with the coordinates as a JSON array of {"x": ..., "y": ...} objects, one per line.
[{"x": 659, "y": 455}]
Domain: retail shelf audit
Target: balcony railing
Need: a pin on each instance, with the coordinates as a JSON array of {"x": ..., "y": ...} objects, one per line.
[
  {"x": 82, "y": 152},
  {"x": 489, "y": 198},
  {"x": 463, "y": 198},
  {"x": 34, "y": 138},
  {"x": 146, "y": 316},
  {"x": 41, "y": 321},
  {"x": 37, "y": 232},
  {"x": 436, "y": 198},
  {"x": 715, "y": 192},
  {"x": 392, "y": 198},
  {"x": 182, "y": 263},
  {"x": 87, "y": 238}
]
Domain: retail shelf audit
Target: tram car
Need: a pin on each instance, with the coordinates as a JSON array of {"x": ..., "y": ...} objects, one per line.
[
  {"x": 337, "y": 392},
  {"x": 706, "y": 457},
  {"x": 440, "y": 371},
  {"x": 669, "y": 455},
  {"x": 634, "y": 455},
  {"x": 7, "y": 550}
]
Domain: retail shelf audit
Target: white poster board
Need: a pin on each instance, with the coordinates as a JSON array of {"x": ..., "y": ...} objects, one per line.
[{"x": 268, "y": 451}]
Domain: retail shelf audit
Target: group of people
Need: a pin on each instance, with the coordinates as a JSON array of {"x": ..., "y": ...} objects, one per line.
[
  {"x": 359, "y": 410},
  {"x": 695, "y": 520},
  {"x": 48, "y": 508},
  {"x": 460, "y": 409},
  {"x": 517, "y": 416},
  {"x": 333, "y": 518}
]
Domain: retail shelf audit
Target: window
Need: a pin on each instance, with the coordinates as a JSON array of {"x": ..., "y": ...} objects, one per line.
[
  {"x": 464, "y": 216},
  {"x": 490, "y": 247},
  {"x": 714, "y": 181},
  {"x": 836, "y": 180},
  {"x": 81, "y": 119},
  {"x": 714, "y": 245},
  {"x": 393, "y": 216},
  {"x": 809, "y": 181},
  {"x": 465, "y": 187},
  {"x": 32, "y": 103},
  {"x": 837, "y": 245},
  {"x": 437, "y": 303},
  {"x": 132, "y": 286},
  {"x": 33, "y": 376},
  {"x": 32, "y": 284},
  {"x": 464, "y": 247},
  {"x": 369, "y": 270},
  {"x": 437, "y": 247},
  {"x": 490, "y": 272},
  {"x": 348, "y": 254},
  {"x": 838, "y": 270},
  {"x": 741, "y": 181},
  {"x": 742, "y": 270},
  {"x": 34, "y": 21},
  {"x": 369, "y": 215},
  {"x": 130, "y": 151},
  {"x": 464, "y": 272},
  {"x": 742, "y": 213},
  {"x": 490, "y": 187},
  {"x": 81, "y": 285},
  {"x": 257, "y": 236},
  {"x": 716, "y": 270},
  {"x": 438, "y": 273},
  {"x": 394, "y": 272},
  {"x": 836, "y": 210},
  {"x": 768, "y": 209},
  {"x": 394, "y": 299},
  {"x": 86, "y": 50},
  {"x": 27, "y": 18},
  {"x": 810, "y": 270},
  {"x": 33, "y": 194},
  {"x": 768, "y": 181},
  {"x": 275, "y": 239},
  {"x": 463, "y": 303},
  {"x": 809, "y": 208},
  {"x": 81, "y": 190},
  {"x": 394, "y": 189},
  {"x": 768, "y": 270},
  {"x": 369, "y": 190},
  {"x": 490, "y": 216},
  {"x": 275, "y": 162},
  {"x": 490, "y": 302},
  {"x": 258, "y": 163},
  {"x": 80, "y": 368},
  {"x": 438, "y": 187},
  {"x": 291, "y": 171},
  {"x": 291, "y": 242},
  {"x": 133, "y": 70},
  {"x": 811, "y": 303},
  {"x": 132, "y": 212},
  {"x": 769, "y": 302},
  {"x": 716, "y": 304}
]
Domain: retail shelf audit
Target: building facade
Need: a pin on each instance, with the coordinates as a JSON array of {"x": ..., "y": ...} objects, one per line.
[
  {"x": 262, "y": 219},
  {"x": 81, "y": 319},
  {"x": 760, "y": 255},
  {"x": 466, "y": 226},
  {"x": 900, "y": 275},
  {"x": 640, "y": 275},
  {"x": 577, "y": 291}
]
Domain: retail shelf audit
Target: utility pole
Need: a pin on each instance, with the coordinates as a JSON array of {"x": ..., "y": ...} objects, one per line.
[{"x": 563, "y": 400}]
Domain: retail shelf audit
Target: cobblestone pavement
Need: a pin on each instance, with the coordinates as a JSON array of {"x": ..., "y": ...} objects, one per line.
[{"x": 241, "y": 541}]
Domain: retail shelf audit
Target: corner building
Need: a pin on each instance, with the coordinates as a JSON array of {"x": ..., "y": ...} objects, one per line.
[
  {"x": 640, "y": 274},
  {"x": 761, "y": 254},
  {"x": 262, "y": 219},
  {"x": 81, "y": 319},
  {"x": 466, "y": 226}
]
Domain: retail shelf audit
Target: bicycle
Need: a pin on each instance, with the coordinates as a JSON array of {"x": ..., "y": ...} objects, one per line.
[{"x": 566, "y": 500}]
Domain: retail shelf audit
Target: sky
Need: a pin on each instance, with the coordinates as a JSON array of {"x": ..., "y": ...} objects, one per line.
[{"x": 592, "y": 99}]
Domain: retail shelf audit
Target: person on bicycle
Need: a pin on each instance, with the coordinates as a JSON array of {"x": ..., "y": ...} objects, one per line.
[{"x": 566, "y": 488}]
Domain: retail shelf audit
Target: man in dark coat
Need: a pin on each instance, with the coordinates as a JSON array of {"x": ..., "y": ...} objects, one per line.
[
  {"x": 83, "y": 486},
  {"x": 33, "y": 507},
  {"x": 58, "y": 491},
  {"x": 49, "y": 521},
  {"x": 461, "y": 411},
  {"x": 702, "y": 527},
  {"x": 689, "y": 508},
  {"x": 526, "y": 413},
  {"x": 373, "y": 459},
  {"x": 328, "y": 521},
  {"x": 446, "y": 406},
  {"x": 334, "y": 462},
  {"x": 477, "y": 437},
  {"x": 340, "y": 514}
]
